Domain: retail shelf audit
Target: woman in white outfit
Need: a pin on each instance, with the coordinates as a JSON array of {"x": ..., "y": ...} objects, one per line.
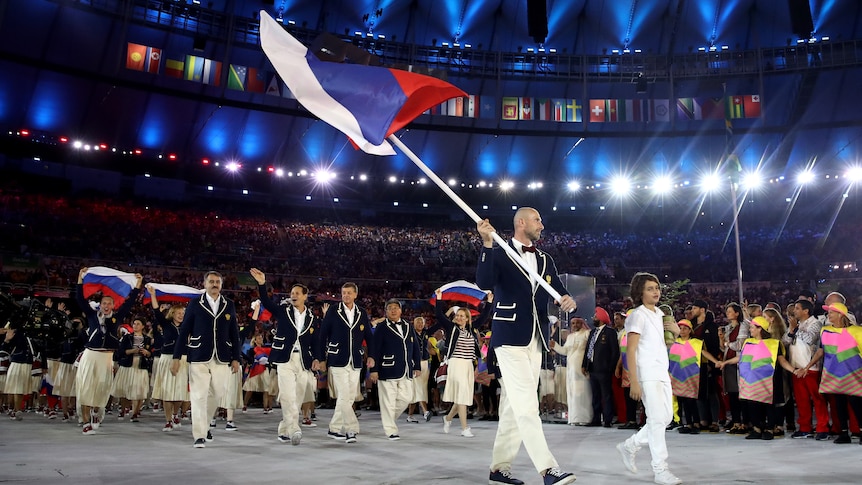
[{"x": 578, "y": 392}]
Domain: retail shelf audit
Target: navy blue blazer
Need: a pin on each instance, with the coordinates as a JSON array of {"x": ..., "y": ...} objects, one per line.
[
  {"x": 167, "y": 330},
  {"x": 20, "y": 348},
  {"x": 109, "y": 339},
  {"x": 126, "y": 360},
  {"x": 340, "y": 340},
  {"x": 395, "y": 356},
  {"x": 204, "y": 334},
  {"x": 286, "y": 334},
  {"x": 519, "y": 310}
]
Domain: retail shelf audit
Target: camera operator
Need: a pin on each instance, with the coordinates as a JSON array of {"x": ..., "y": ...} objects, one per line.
[{"x": 18, "y": 382}]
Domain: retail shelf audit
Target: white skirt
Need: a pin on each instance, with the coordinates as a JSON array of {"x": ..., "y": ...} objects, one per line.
[
  {"x": 546, "y": 382},
  {"x": 171, "y": 387},
  {"x": 258, "y": 383},
  {"x": 560, "y": 384},
  {"x": 64, "y": 380},
  {"x": 232, "y": 398},
  {"x": 272, "y": 389},
  {"x": 310, "y": 387},
  {"x": 131, "y": 383},
  {"x": 420, "y": 384},
  {"x": 459, "y": 382},
  {"x": 95, "y": 378},
  {"x": 18, "y": 380}
]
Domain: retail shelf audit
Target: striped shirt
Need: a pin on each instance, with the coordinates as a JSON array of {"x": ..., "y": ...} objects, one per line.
[{"x": 465, "y": 345}]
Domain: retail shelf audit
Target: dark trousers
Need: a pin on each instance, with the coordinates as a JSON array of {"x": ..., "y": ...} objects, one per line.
[
  {"x": 735, "y": 407},
  {"x": 490, "y": 398},
  {"x": 688, "y": 411},
  {"x": 631, "y": 407},
  {"x": 603, "y": 397},
  {"x": 764, "y": 416},
  {"x": 841, "y": 402}
]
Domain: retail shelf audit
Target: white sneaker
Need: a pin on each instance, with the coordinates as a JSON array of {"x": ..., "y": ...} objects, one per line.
[
  {"x": 665, "y": 477},
  {"x": 446, "y": 424},
  {"x": 467, "y": 433},
  {"x": 628, "y": 457},
  {"x": 411, "y": 419}
]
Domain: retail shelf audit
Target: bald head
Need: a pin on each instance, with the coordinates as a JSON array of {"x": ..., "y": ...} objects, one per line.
[{"x": 528, "y": 225}]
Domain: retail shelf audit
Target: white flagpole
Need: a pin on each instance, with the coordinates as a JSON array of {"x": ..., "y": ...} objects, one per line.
[{"x": 470, "y": 212}]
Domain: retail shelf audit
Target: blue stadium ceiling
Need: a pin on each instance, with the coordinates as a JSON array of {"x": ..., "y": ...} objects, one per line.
[{"x": 65, "y": 75}]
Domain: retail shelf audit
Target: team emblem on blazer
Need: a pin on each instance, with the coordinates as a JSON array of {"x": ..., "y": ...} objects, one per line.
[
  {"x": 227, "y": 317},
  {"x": 548, "y": 278},
  {"x": 361, "y": 328},
  {"x": 113, "y": 320},
  {"x": 311, "y": 330}
]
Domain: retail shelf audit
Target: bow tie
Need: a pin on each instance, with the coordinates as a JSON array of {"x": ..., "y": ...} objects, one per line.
[{"x": 528, "y": 249}]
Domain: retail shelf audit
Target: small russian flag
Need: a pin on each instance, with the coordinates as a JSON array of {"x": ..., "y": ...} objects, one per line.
[
  {"x": 462, "y": 291},
  {"x": 108, "y": 282},
  {"x": 170, "y": 293}
]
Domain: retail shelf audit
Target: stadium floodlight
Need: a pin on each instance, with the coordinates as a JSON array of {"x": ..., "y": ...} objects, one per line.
[
  {"x": 621, "y": 186},
  {"x": 805, "y": 177},
  {"x": 506, "y": 185},
  {"x": 752, "y": 180},
  {"x": 662, "y": 185},
  {"x": 710, "y": 182},
  {"x": 573, "y": 186},
  {"x": 854, "y": 174},
  {"x": 232, "y": 167}
]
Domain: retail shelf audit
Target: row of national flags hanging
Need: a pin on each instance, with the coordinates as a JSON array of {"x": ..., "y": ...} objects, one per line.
[
  {"x": 249, "y": 79},
  {"x": 630, "y": 110}
]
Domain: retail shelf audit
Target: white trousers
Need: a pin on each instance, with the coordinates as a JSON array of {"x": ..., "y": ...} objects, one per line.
[
  {"x": 658, "y": 405},
  {"x": 345, "y": 380},
  {"x": 519, "y": 408},
  {"x": 395, "y": 395},
  {"x": 292, "y": 381},
  {"x": 207, "y": 384}
]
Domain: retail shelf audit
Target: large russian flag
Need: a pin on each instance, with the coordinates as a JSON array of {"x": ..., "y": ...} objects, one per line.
[
  {"x": 108, "y": 282},
  {"x": 366, "y": 103},
  {"x": 461, "y": 291},
  {"x": 166, "y": 292}
]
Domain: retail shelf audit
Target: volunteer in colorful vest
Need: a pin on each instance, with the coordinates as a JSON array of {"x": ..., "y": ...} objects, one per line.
[
  {"x": 761, "y": 363},
  {"x": 686, "y": 355},
  {"x": 95, "y": 375},
  {"x": 842, "y": 366},
  {"x": 209, "y": 335}
]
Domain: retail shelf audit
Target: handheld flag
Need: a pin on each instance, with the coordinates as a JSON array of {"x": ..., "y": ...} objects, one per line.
[
  {"x": 172, "y": 293},
  {"x": 461, "y": 291},
  {"x": 108, "y": 282},
  {"x": 366, "y": 103}
]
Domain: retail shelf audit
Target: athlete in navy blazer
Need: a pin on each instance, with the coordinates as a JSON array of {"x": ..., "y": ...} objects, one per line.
[
  {"x": 518, "y": 325},
  {"x": 209, "y": 335},
  {"x": 286, "y": 333}
]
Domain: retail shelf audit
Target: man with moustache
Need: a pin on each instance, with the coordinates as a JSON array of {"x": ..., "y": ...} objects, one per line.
[{"x": 209, "y": 335}]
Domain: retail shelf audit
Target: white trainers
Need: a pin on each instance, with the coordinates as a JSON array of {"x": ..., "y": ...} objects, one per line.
[
  {"x": 665, "y": 477},
  {"x": 411, "y": 419},
  {"x": 446, "y": 424},
  {"x": 628, "y": 457},
  {"x": 467, "y": 433}
]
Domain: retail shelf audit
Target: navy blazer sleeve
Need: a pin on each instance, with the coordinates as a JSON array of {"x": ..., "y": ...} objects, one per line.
[
  {"x": 233, "y": 334},
  {"x": 181, "y": 346}
]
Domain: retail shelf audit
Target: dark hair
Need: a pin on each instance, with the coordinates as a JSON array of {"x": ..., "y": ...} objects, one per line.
[
  {"x": 350, "y": 284},
  {"x": 212, "y": 272},
  {"x": 735, "y": 306},
  {"x": 639, "y": 281},
  {"x": 806, "y": 305},
  {"x": 302, "y": 287}
]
